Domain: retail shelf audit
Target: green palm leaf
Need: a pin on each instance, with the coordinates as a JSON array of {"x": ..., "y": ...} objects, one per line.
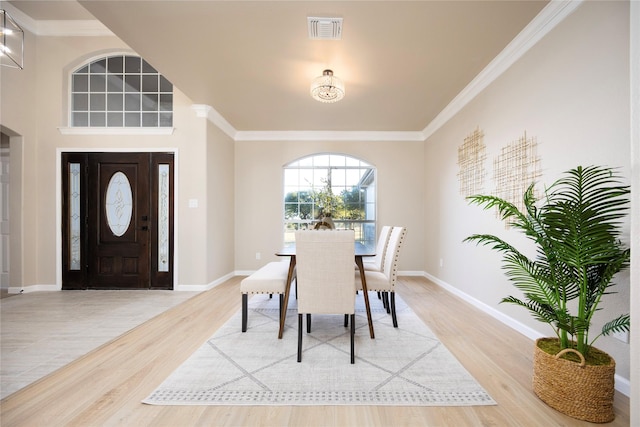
[{"x": 578, "y": 252}]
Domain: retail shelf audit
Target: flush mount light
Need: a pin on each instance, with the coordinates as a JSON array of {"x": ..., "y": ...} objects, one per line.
[
  {"x": 11, "y": 41},
  {"x": 327, "y": 88}
]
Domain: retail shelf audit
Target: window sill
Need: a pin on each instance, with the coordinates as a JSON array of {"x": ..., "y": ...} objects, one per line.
[{"x": 115, "y": 131}]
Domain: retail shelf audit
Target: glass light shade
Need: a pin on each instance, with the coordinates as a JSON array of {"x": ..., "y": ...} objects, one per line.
[
  {"x": 327, "y": 87},
  {"x": 11, "y": 41}
]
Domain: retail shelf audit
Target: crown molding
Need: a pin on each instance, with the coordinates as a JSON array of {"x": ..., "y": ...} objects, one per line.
[
  {"x": 548, "y": 18},
  {"x": 216, "y": 118},
  {"x": 328, "y": 136}
]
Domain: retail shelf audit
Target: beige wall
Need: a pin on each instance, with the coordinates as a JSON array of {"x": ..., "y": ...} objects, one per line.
[
  {"x": 220, "y": 205},
  {"x": 34, "y": 104},
  {"x": 571, "y": 91},
  {"x": 259, "y": 193},
  {"x": 18, "y": 119}
]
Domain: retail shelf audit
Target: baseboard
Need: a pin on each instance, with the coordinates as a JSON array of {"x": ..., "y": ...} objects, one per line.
[
  {"x": 623, "y": 385},
  {"x": 206, "y": 287},
  {"x": 33, "y": 288}
]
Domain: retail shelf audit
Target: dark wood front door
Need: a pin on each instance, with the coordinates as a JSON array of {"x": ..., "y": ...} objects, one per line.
[{"x": 125, "y": 233}]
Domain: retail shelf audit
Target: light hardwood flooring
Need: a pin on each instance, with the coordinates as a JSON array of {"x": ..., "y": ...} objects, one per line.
[
  {"x": 41, "y": 332},
  {"x": 105, "y": 387}
]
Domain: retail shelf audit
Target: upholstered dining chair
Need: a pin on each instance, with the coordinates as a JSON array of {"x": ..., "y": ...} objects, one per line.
[
  {"x": 325, "y": 279},
  {"x": 385, "y": 281},
  {"x": 375, "y": 263}
]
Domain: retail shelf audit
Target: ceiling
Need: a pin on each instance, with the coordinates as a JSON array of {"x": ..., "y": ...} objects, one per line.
[{"x": 252, "y": 61}]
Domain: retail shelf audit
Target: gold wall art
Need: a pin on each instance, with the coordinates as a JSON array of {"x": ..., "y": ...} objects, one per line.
[
  {"x": 515, "y": 169},
  {"x": 471, "y": 157}
]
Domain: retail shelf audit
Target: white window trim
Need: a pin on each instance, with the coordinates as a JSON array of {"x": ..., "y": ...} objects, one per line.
[{"x": 66, "y": 130}]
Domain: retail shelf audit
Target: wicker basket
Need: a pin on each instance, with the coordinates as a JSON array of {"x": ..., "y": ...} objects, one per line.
[{"x": 581, "y": 391}]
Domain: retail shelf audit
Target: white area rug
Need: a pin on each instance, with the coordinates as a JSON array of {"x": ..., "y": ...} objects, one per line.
[{"x": 404, "y": 366}]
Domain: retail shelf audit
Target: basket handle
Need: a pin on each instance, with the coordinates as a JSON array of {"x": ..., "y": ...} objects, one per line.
[{"x": 572, "y": 350}]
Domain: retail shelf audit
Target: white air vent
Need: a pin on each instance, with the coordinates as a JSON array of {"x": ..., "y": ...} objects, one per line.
[{"x": 324, "y": 28}]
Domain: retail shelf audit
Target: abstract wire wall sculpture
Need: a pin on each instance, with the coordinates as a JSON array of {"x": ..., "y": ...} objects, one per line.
[
  {"x": 471, "y": 157},
  {"x": 515, "y": 169}
]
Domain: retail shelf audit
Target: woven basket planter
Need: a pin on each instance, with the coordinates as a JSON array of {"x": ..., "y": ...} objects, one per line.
[{"x": 578, "y": 390}]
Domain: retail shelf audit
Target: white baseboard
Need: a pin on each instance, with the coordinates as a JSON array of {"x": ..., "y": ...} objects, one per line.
[
  {"x": 623, "y": 385},
  {"x": 206, "y": 287},
  {"x": 33, "y": 288}
]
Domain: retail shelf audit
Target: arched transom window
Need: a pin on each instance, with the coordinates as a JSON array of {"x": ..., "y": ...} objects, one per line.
[
  {"x": 120, "y": 91},
  {"x": 330, "y": 185}
]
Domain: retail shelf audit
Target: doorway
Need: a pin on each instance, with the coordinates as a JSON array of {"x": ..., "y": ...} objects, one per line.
[
  {"x": 5, "y": 182},
  {"x": 117, "y": 220}
]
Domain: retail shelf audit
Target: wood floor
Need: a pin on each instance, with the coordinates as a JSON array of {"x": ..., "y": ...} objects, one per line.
[{"x": 105, "y": 387}]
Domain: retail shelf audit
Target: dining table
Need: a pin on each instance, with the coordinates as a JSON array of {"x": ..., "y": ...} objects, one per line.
[{"x": 361, "y": 250}]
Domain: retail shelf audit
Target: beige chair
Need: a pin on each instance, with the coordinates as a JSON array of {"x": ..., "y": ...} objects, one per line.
[
  {"x": 385, "y": 281},
  {"x": 325, "y": 279},
  {"x": 375, "y": 263},
  {"x": 326, "y": 223}
]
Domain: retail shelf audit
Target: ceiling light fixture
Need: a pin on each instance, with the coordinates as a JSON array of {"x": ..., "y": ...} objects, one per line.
[
  {"x": 11, "y": 41},
  {"x": 327, "y": 88}
]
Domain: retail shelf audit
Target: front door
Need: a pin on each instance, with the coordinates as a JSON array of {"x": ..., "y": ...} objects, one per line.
[{"x": 117, "y": 220}]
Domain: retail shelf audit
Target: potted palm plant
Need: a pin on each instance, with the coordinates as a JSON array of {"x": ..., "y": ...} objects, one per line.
[{"x": 576, "y": 230}]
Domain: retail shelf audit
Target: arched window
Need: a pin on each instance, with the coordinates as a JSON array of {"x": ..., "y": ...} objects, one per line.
[
  {"x": 334, "y": 185},
  {"x": 120, "y": 91}
]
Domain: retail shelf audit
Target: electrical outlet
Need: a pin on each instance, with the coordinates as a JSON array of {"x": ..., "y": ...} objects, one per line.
[
  {"x": 258, "y": 256},
  {"x": 621, "y": 336}
]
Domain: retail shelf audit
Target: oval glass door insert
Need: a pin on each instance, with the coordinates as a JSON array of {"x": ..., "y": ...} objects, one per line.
[{"x": 118, "y": 204}]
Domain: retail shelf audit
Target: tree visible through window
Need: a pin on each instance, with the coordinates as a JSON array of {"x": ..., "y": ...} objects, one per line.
[{"x": 330, "y": 185}]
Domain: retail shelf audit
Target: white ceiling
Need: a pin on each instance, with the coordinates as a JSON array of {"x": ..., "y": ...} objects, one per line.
[{"x": 252, "y": 61}]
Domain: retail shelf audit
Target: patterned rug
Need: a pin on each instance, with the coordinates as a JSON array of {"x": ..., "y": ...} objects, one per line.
[{"x": 404, "y": 366}]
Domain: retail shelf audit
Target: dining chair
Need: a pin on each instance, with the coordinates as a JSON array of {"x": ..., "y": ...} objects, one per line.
[
  {"x": 375, "y": 263},
  {"x": 325, "y": 279},
  {"x": 385, "y": 281},
  {"x": 326, "y": 223}
]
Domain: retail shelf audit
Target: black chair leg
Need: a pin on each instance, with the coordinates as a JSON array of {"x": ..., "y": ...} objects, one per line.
[
  {"x": 346, "y": 320},
  {"x": 299, "y": 337},
  {"x": 308, "y": 323},
  {"x": 386, "y": 302},
  {"x": 244, "y": 312},
  {"x": 393, "y": 309},
  {"x": 281, "y": 304},
  {"x": 353, "y": 335}
]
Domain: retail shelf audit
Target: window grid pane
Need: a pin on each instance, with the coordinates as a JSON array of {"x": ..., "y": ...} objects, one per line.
[
  {"x": 120, "y": 91},
  {"x": 345, "y": 184}
]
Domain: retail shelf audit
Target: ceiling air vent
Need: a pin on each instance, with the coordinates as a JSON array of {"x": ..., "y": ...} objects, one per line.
[{"x": 324, "y": 28}]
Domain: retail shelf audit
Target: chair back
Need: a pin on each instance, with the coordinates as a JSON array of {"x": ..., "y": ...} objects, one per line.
[
  {"x": 325, "y": 280},
  {"x": 392, "y": 254},
  {"x": 381, "y": 248}
]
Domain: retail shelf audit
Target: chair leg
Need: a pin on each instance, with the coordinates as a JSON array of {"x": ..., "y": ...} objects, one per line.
[
  {"x": 244, "y": 312},
  {"x": 346, "y": 320},
  {"x": 308, "y": 323},
  {"x": 386, "y": 302},
  {"x": 281, "y": 304},
  {"x": 393, "y": 309},
  {"x": 299, "y": 337},
  {"x": 353, "y": 335}
]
